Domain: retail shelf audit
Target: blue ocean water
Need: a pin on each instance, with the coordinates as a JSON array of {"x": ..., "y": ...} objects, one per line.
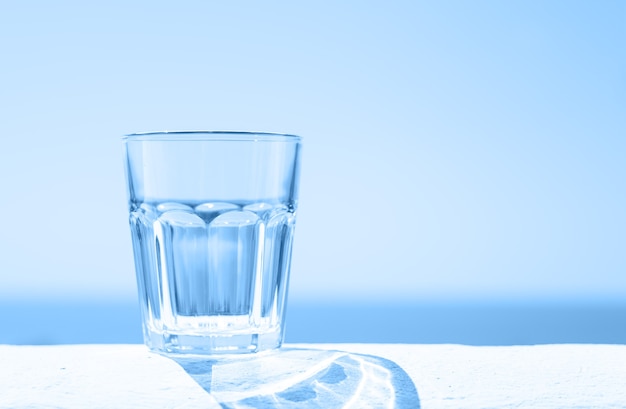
[{"x": 73, "y": 322}]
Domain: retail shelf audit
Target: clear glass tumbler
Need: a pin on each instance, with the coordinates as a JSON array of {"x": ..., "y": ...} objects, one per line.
[{"x": 212, "y": 216}]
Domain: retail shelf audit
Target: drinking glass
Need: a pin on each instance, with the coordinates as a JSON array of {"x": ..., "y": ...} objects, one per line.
[{"x": 212, "y": 217}]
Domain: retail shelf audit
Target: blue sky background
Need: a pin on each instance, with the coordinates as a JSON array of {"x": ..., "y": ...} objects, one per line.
[{"x": 452, "y": 149}]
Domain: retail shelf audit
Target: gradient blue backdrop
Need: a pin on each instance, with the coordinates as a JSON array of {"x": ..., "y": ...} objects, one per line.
[{"x": 453, "y": 150}]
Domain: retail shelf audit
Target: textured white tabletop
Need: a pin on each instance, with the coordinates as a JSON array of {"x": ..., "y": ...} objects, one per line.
[{"x": 317, "y": 375}]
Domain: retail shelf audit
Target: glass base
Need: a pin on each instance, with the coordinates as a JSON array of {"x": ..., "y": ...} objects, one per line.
[{"x": 213, "y": 344}]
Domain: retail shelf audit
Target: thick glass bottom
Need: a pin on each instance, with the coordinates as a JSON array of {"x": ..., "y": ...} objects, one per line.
[{"x": 213, "y": 344}]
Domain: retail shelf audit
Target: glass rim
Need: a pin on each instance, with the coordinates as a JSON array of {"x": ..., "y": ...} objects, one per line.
[{"x": 240, "y": 136}]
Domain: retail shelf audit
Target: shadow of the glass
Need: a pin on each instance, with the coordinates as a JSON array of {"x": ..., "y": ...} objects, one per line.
[{"x": 304, "y": 378}]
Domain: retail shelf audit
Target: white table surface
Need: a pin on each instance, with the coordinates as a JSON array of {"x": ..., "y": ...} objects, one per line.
[{"x": 317, "y": 375}]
